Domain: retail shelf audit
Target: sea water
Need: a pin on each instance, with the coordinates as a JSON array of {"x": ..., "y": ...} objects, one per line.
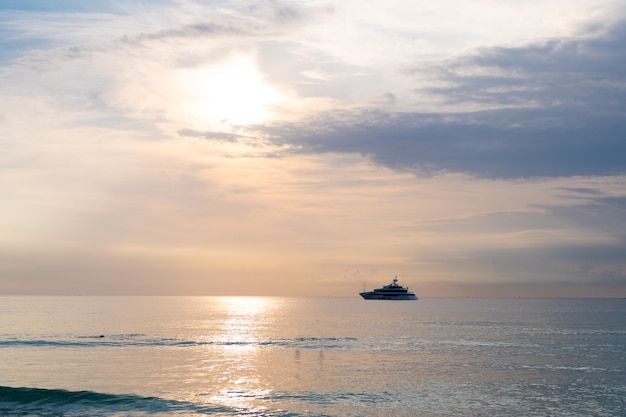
[{"x": 259, "y": 356}]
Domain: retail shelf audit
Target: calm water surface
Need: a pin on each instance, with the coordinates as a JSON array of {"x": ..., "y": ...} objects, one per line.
[{"x": 257, "y": 356}]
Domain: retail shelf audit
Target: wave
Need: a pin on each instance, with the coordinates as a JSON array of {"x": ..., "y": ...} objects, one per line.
[
  {"x": 63, "y": 403},
  {"x": 129, "y": 340},
  {"x": 56, "y": 402}
]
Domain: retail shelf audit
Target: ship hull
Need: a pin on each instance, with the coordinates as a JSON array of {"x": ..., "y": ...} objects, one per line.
[{"x": 371, "y": 295}]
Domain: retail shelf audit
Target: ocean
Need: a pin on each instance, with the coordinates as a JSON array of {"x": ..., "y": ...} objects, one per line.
[{"x": 335, "y": 356}]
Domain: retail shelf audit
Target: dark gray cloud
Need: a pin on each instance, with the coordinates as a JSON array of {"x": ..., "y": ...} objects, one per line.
[
  {"x": 553, "y": 108},
  {"x": 588, "y": 73}
]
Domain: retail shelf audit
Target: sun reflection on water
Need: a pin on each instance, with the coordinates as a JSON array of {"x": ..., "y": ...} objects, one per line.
[
  {"x": 244, "y": 328},
  {"x": 245, "y": 320},
  {"x": 238, "y": 306}
]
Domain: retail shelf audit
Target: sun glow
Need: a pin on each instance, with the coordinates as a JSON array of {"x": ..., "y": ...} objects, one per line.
[{"x": 233, "y": 92}]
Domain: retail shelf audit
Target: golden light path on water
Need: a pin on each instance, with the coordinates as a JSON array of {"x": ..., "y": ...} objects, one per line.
[
  {"x": 243, "y": 330},
  {"x": 244, "y": 319}
]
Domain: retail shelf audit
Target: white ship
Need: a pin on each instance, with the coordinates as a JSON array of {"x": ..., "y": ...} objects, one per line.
[{"x": 392, "y": 291}]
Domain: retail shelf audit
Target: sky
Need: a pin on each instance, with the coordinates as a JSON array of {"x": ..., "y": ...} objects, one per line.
[{"x": 296, "y": 148}]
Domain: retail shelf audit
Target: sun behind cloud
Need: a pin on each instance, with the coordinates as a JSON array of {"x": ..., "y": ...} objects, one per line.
[{"x": 233, "y": 92}]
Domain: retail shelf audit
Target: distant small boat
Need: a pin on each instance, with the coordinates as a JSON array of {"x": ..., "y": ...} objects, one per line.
[{"x": 392, "y": 291}]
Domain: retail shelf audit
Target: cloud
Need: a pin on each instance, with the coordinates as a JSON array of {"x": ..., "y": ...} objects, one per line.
[
  {"x": 480, "y": 143},
  {"x": 157, "y": 64},
  {"x": 582, "y": 242},
  {"x": 544, "y": 109},
  {"x": 213, "y": 136},
  {"x": 586, "y": 72}
]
